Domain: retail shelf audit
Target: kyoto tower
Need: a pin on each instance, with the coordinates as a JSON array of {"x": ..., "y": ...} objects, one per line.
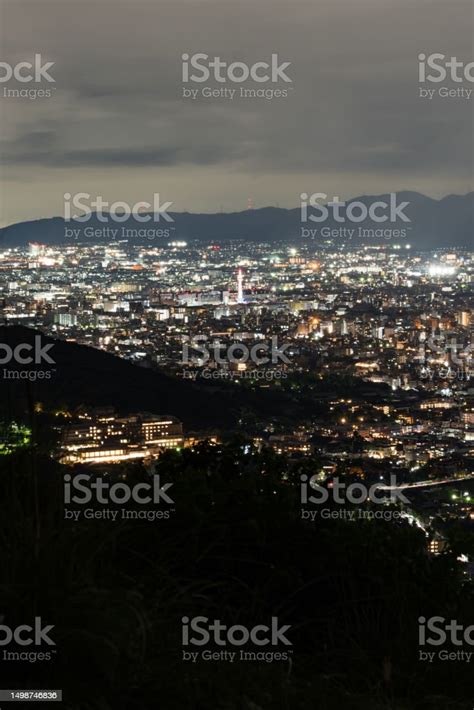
[{"x": 240, "y": 286}]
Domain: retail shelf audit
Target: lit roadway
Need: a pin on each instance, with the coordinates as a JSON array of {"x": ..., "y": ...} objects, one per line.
[{"x": 427, "y": 484}]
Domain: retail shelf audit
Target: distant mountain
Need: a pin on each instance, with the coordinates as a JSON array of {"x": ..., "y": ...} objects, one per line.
[{"x": 433, "y": 224}]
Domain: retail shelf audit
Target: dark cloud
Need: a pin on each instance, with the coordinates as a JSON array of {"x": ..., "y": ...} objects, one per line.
[{"x": 353, "y": 115}]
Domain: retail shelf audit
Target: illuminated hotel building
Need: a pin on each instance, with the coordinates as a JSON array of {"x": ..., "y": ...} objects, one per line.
[{"x": 103, "y": 437}]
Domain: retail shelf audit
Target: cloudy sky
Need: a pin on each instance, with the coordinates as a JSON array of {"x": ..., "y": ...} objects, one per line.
[{"x": 117, "y": 124}]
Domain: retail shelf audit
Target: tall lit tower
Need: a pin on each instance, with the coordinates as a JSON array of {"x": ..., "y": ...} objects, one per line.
[{"x": 240, "y": 286}]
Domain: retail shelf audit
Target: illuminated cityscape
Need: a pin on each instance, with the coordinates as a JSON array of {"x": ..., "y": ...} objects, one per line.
[
  {"x": 236, "y": 355},
  {"x": 398, "y": 323}
]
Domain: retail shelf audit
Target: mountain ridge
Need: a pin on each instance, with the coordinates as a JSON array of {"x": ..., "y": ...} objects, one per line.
[{"x": 447, "y": 222}]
